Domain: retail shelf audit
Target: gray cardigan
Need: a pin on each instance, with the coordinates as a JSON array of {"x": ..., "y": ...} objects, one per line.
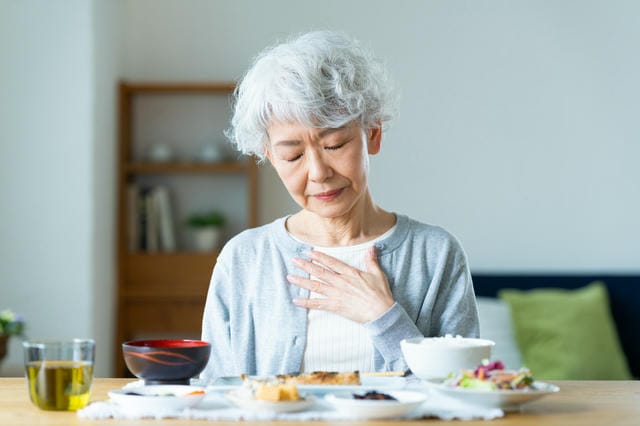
[{"x": 254, "y": 328}]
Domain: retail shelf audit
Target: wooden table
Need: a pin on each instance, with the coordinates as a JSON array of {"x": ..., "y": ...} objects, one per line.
[{"x": 578, "y": 403}]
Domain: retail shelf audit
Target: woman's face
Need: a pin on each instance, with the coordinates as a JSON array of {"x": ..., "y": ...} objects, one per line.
[{"x": 324, "y": 170}]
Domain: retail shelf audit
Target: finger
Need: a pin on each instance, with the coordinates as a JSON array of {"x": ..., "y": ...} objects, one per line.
[
  {"x": 314, "y": 286},
  {"x": 372, "y": 263},
  {"x": 319, "y": 271},
  {"x": 315, "y": 303},
  {"x": 332, "y": 263}
]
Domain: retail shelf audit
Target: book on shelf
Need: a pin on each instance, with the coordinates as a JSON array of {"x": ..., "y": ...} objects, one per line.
[
  {"x": 167, "y": 239},
  {"x": 150, "y": 219},
  {"x": 133, "y": 217},
  {"x": 151, "y": 222}
]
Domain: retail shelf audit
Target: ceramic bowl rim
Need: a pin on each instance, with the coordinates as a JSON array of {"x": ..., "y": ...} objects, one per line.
[
  {"x": 477, "y": 343},
  {"x": 166, "y": 343}
]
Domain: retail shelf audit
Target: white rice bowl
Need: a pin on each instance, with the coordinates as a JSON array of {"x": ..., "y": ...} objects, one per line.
[{"x": 436, "y": 357}]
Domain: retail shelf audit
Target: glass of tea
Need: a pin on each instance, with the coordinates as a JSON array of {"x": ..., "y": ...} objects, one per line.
[{"x": 59, "y": 372}]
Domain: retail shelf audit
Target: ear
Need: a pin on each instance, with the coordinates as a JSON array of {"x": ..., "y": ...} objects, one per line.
[
  {"x": 267, "y": 153},
  {"x": 374, "y": 139}
]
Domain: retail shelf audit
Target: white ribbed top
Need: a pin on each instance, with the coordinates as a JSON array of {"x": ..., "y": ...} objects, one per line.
[{"x": 335, "y": 343}]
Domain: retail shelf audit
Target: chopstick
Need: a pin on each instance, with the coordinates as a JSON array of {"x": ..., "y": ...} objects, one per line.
[{"x": 384, "y": 374}]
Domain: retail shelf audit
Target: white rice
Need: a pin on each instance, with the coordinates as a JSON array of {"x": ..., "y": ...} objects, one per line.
[{"x": 451, "y": 341}]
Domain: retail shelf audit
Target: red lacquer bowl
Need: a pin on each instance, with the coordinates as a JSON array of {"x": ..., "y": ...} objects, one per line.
[{"x": 166, "y": 361}]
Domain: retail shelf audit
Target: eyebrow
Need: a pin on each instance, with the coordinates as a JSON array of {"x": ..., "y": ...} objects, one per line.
[
  {"x": 322, "y": 134},
  {"x": 326, "y": 132}
]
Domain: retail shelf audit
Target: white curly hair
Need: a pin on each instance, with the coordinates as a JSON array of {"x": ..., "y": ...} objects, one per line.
[{"x": 322, "y": 79}]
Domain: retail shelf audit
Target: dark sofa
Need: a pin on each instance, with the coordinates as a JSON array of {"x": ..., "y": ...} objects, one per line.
[{"x": 624, "y": 297}]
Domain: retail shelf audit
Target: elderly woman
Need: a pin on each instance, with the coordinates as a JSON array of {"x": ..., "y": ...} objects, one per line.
[{"x": 337, "y": 285}]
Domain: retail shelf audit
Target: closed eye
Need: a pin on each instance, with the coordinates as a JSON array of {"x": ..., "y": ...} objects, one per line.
[
  {"x": 334, "y": 147},
  {"x": 297, "y": 157}
]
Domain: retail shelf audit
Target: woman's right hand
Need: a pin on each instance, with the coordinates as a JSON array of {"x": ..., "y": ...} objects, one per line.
[{"x": 360, "y": 296}]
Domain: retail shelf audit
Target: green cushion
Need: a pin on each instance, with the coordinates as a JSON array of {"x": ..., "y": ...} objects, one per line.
[{"x": 567, "y": 334}]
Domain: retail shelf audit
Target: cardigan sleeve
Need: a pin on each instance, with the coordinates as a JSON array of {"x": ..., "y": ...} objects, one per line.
[
  {"x": 386, "y": 333},
  {"x": 216, "y": 326},
  {"x": 447, "y": 306}
]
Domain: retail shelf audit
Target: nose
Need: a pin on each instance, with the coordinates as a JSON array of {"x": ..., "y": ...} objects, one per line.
[{"x": 318, "y": 168}]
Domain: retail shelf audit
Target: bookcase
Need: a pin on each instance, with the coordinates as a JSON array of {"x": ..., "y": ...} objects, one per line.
[{"x": 161, "y": 290}]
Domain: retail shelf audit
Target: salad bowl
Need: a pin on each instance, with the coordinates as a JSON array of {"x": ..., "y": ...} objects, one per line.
[
  {"x": 507, "y": 400},
  {"x": 491, "y": 385}
]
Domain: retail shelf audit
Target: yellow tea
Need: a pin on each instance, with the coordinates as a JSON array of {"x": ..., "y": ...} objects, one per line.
[{"x": 60, "y": 385}]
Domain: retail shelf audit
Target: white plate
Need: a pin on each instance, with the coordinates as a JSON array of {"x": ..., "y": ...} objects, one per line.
[
  {"x": 507, "y": 400},
  {"x": 156, "y": 398},
  {"x": 376, "y": 409},
  {"x": 240, "y": 399},
  {"x": 367, "y": 383}
]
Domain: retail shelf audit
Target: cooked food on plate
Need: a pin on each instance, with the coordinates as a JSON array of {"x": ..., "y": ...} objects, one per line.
[
  {"x": 322, "y": 378},
  {"x": 276, "y": 392},
  {"x": 284, "y": 387},
  {"x": 374, "y": 395},
  {"x": 268, "y": 389},
  {"x": 492, "y": 376}
]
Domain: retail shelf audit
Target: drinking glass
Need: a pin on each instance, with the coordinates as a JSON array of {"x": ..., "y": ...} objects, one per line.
[{"x": 59, "y": 372}]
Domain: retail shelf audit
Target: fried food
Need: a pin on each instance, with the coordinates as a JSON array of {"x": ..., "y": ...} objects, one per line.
[{"x": 322, "y": 378}]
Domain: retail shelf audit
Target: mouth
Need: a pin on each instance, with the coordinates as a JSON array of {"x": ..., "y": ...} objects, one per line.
[{"x": 328, "y": 195}]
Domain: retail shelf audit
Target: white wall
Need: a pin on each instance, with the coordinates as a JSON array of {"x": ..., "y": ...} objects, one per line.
[
  {"x": 106, "y": 61},
  {"x": 46, "y": 199},
  {"x": 516, "y": 128},
  {"x": 56, "y": 173}
]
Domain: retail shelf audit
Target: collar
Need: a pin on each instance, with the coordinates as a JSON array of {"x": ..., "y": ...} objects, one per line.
[{"x": 384, "y": 246}]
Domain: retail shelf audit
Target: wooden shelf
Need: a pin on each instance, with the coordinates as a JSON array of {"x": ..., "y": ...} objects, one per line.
[
  {"x": 181, "y": 295},
  {"x": 164, "y": 293},
  {"x": 161, "y": 318},
  {"x": 161, "y": 274},
  {"x": 223, "y": 167}
]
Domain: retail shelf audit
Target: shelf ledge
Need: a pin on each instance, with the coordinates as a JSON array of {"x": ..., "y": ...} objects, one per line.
[{"x": 230, "y": 167}]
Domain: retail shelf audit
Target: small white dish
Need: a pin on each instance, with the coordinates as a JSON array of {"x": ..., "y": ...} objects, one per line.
[
  {"x": 157, "y": 398},
  {"x": 240, "y": 399},
  {"x": 507, "y": 400},
  {"x": 406, "y": 401}
]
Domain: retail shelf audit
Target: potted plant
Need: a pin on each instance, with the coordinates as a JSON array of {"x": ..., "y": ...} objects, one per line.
[
  {"x": 206, "y": 229},
  {"x": 10, "y": 325}
]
